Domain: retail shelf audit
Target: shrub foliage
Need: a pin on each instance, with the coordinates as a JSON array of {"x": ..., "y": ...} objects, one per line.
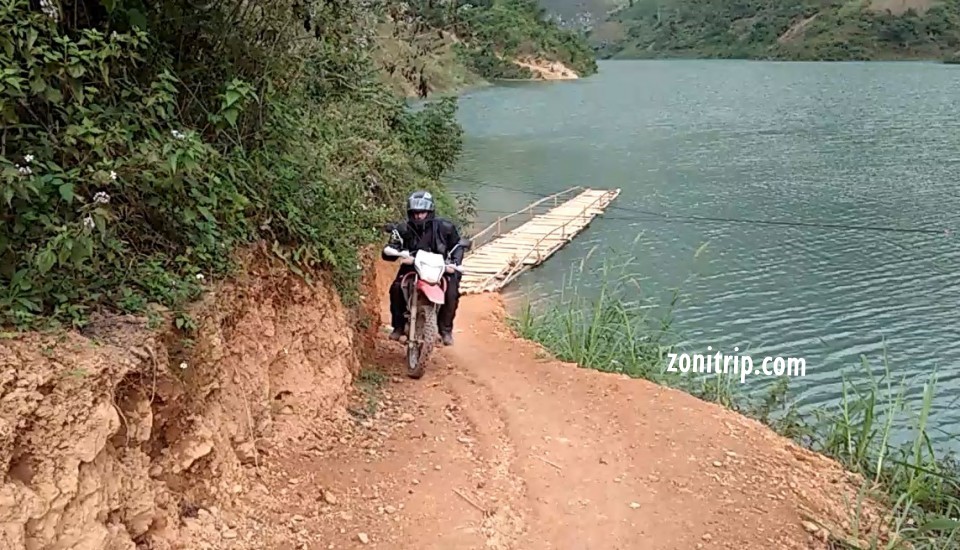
[{"x": 143, "y": 142}]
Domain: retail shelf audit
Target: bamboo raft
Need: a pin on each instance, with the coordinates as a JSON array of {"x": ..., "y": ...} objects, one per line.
[{"x": 500, "y": 256}]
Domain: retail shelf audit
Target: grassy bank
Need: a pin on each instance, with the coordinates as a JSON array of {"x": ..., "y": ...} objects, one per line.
[{"x": 615, "y": 329}]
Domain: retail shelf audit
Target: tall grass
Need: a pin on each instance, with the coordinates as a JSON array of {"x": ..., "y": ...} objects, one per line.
[{"x": 612, "y": 327}]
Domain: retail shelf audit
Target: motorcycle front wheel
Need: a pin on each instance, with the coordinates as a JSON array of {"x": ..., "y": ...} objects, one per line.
[{"x": 424, "y": 341}]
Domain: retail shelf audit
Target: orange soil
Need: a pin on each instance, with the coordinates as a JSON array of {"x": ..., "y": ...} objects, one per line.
[
  {"x": 498, "y": 446},
  {"x": 123, "y": 437},
  {"x": 546, "y": 70}
]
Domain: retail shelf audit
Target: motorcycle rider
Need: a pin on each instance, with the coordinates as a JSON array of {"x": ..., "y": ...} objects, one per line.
[{"x": 423, "y": 230}]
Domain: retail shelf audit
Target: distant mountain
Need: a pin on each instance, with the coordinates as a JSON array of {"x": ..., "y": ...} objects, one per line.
[
  {"x": 780, "y": 29},
  {"x": 580, "y": 14}
]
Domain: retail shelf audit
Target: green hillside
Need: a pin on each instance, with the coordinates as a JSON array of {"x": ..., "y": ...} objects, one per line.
[
  {"x": 580, "y": 13},
  {"x": 427, "y": 46},
  {"x": 791, "y": 29}
]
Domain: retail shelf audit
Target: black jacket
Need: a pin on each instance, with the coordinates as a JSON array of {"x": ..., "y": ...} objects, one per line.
[{"x": 438, "y": 236}]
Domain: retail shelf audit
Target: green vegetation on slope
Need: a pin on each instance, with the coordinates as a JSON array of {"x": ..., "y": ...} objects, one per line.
[
  {"x": 492, "y": 33},
  {"x": 587, "y": 16},
  {"x": 792, "y": 30},
  {"x": 574, "y": 11},
  {"x": 617, "y": 331},
  {"x": 141, "y": 146}
]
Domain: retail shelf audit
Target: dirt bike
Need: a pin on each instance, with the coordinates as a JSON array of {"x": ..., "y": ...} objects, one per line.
[{"x": 424, "y": 289}]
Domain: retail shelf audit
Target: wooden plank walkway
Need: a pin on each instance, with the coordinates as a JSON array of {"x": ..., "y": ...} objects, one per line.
[{"x": 500, "y": 257}]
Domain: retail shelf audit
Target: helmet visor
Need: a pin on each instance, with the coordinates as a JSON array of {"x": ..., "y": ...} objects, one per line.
[{"x": 419, "y": 203}]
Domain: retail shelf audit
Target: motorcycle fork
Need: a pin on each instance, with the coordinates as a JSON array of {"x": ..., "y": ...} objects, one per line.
[
  {"x": 409, "y": 286},
  {"x": 412, "y": 294}
]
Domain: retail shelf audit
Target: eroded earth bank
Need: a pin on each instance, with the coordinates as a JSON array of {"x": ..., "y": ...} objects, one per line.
[{"x": 285, "y": 422}]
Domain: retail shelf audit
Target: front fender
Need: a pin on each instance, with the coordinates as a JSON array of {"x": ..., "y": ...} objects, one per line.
[{"x": 434, "y": 293}]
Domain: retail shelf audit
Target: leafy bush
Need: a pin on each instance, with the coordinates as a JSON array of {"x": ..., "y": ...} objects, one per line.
[
  {"x": 485, "y": 62},
  {"x": 141, "y": 146}
]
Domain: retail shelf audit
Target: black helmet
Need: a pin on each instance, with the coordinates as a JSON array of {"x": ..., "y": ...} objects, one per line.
[{"x": 420, "y": 201}]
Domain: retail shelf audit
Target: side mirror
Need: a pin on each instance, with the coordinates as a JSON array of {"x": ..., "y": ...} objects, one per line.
[{"x": 466, "y": 243}]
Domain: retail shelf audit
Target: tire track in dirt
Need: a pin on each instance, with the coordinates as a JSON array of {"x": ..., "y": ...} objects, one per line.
[
  {"x": 504, "y": 505},
  {"x": 431, "y": 468}
]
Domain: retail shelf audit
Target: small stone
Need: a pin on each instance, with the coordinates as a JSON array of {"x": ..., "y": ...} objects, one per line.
[
  {"x": 390, "y": 509},
  {"x": 717, "y": 463},
  {"x": 406, "y": 417},
  {"x": 247, "y": 452},
  {"x": 229, "y": 534},
  {"x": 634, "y": 505},
  {"x": 329, "y": 498},
  {"x": 363, "y": 538},
  {"x": 437, "y": 467},
  {"x": 810, "y": 526},
  {"x": 707, "y": 536}
]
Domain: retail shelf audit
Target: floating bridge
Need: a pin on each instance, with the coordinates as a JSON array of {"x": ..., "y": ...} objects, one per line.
[{"x": 499, "y": 255}]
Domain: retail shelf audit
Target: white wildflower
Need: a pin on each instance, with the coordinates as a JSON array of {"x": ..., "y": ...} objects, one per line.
[
  {"x": 24, "y": 170},
  {"x": 49, "y": 9},
  {"x": 113, "y": 175},
  {"x": 28, "y": 159},
  {"x": 101, "y": 198},
  {"x": 183, "y": 366},
  {"x": 199, "y": 276},
  {"x": 177, "y": 134},
  {"x": 88, "y": 222}
]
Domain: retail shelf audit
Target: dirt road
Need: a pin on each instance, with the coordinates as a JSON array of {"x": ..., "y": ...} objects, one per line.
[{"x": 500, "y": 447}]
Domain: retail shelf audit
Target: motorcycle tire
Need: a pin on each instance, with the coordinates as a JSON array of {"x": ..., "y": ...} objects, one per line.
[{"x": 427, "y": 332}]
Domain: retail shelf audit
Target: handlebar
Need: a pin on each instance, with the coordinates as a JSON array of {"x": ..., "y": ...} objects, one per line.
[{"x": 407, "y": 258}]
